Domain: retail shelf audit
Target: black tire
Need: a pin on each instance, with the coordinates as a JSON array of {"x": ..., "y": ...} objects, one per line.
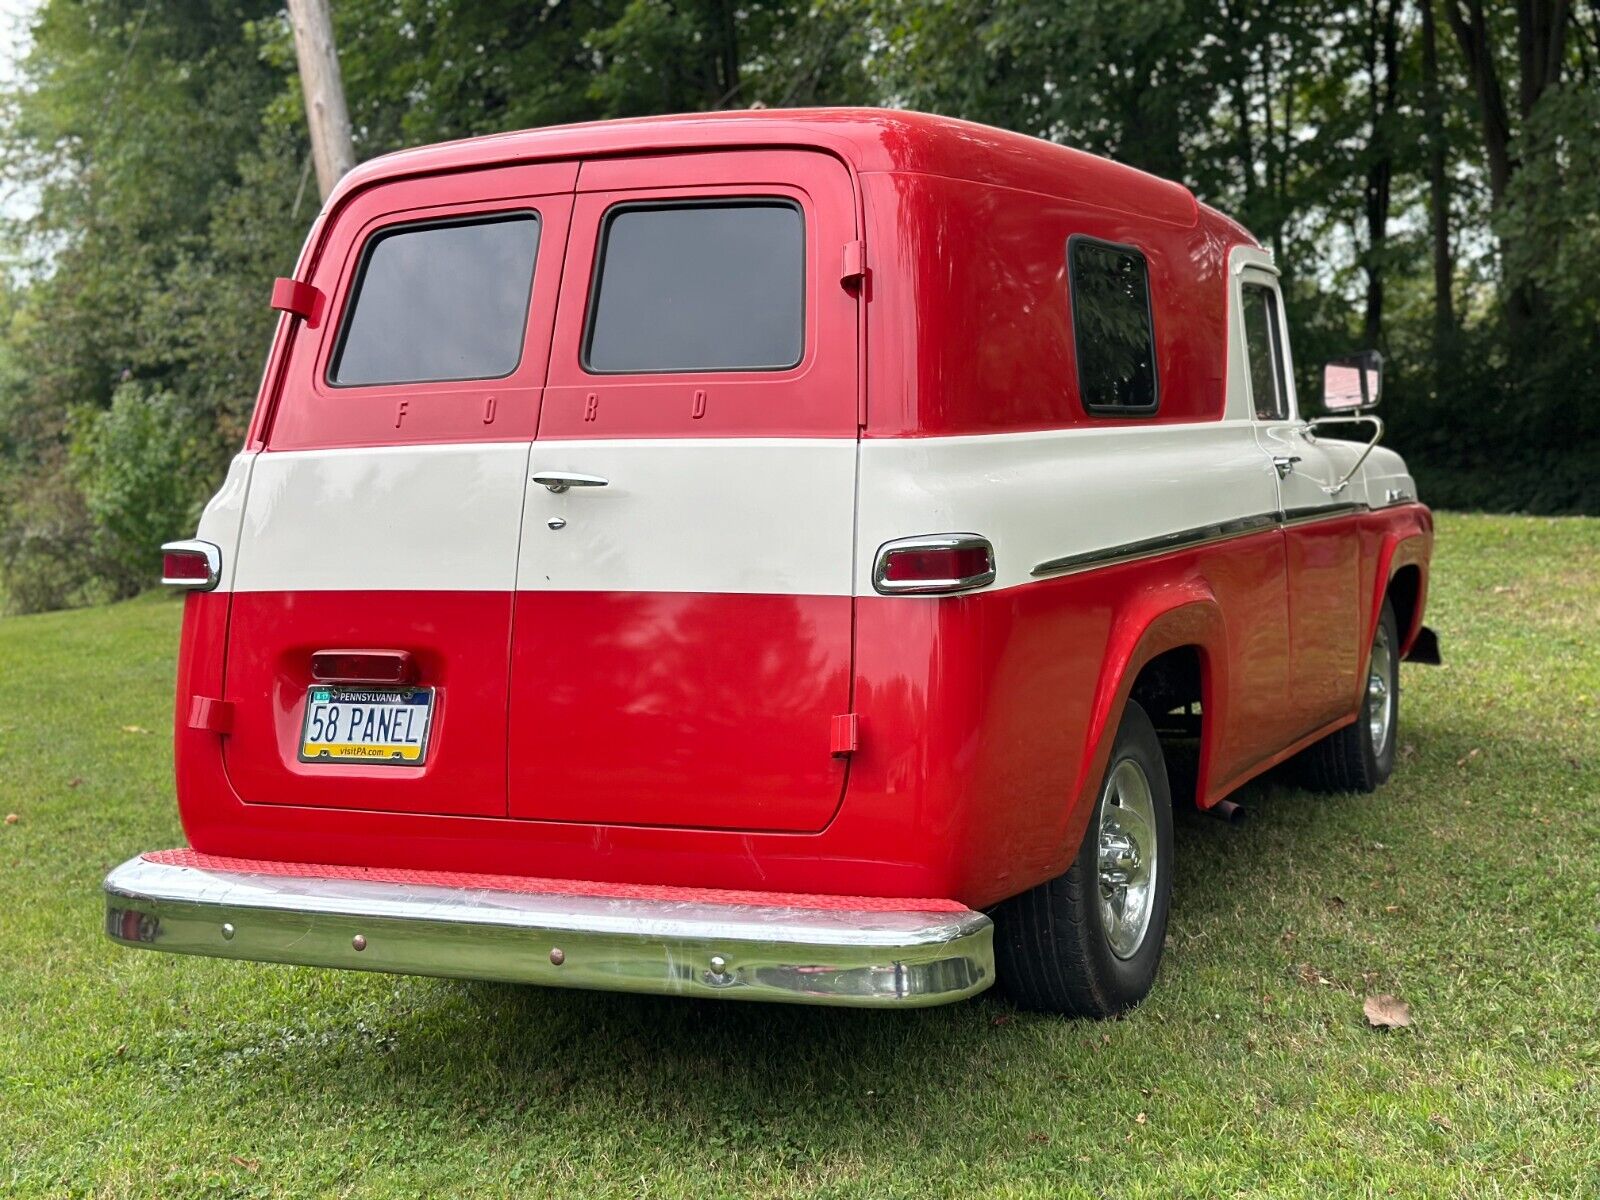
[
  {"x": 1051, "y": 945},
  {"x": 1350, "y": 760}
]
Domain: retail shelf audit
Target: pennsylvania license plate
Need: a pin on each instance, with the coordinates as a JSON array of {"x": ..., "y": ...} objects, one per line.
[{"x": 382, "y": 726}]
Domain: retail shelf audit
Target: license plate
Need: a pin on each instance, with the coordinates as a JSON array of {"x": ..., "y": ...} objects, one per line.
[{"x": 382, "y": 726}]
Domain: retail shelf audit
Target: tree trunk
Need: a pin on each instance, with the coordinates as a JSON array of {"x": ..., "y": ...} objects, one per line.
[
  {"x": 326, "y": 115},
  {"x": 1382, "y": 37},
  {"x": 1472, "y": 32},
  {"x": 1444, "y": 317}
]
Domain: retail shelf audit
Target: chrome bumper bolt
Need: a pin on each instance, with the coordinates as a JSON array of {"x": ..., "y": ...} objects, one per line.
[
  {"x": 557, "y": 956},
  {"x": 227, "y": 931},
  {"x": 359, "y": 941}
]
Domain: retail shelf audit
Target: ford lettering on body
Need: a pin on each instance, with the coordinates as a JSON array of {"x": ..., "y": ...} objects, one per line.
[{"x": 780, "y": 555}]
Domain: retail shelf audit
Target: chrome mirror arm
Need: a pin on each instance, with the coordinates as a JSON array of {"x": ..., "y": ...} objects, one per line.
[{"x": 1333, "y": 489}]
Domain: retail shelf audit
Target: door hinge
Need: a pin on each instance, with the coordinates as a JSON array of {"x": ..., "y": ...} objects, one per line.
[
  {"x": 211, "y": 714},
  {"x": 846, "y": 735},
  {"x": 854, "y": 268},
  {"x": 299, "y": 299}
]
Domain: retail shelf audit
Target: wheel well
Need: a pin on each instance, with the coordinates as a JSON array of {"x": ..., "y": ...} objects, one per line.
[
  {"x": 1405, "y": 590},
  {"x": 1168, "y": 688}
]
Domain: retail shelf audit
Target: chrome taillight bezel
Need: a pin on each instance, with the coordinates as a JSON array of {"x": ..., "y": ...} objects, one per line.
[
  {"x": 198, "y": 549},
  {"x": 932, "y": 587}
]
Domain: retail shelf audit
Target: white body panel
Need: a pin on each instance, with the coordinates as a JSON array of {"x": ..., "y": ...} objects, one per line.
[
  {"x": 742, "y": 515},
  {"x": 1042, "y": 496},
  {"x": 223, "y": 518},
  {"x": 438, "y": 518}
]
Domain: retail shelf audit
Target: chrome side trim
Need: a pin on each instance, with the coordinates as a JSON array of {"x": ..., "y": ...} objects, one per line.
[
  {"x": 929, "y": 587},
  {"x": 742, "y": 952},
  {"x": 1320, "y": 512},
  {"x": 1166, "y": 543},
  {"x": 213, "y": 557},
  {"x": 1202, "y": 535}
]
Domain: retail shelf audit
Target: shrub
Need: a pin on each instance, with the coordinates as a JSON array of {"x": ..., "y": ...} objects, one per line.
[
  {"x": 48, "y": 556},
  {"x": 143, "y": 466}
]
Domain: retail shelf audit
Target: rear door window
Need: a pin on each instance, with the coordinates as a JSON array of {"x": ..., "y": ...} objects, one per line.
[
  {"x": 715, "y": 286},
  {"x": 442, "y": 301}
]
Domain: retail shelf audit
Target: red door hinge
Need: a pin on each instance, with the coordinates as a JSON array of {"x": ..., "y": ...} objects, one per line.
[
  {"x": 210, "y": 714},
  {"x": 854, "y": 267},
  {"x": 292, "y": 296},
  {"x": 846, "y": 735}
]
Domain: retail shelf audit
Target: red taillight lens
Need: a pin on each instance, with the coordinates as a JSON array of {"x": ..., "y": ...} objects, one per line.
[
  {"x": 923, "y": 566},
  {"x": 191, "y": 565},
  {"x": 934, "y": 565},
  {"x": 362, "y": 666}
]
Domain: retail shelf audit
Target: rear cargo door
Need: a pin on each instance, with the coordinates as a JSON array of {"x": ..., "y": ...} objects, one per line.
[
  {"x": 382, "y": 518},
  {"x": 682, "y": 640}
]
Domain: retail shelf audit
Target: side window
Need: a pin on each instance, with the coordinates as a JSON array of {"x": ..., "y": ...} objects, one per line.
[
  {"x": 712, "y": 286},
  {"x": 439, "y": 302},
  {"x": 1112, "y": 327},
  {"x": 1263, "y": 345}
]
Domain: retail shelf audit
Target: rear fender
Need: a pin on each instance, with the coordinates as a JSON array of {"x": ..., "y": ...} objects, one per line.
[{"x": 1151, "y": 623}]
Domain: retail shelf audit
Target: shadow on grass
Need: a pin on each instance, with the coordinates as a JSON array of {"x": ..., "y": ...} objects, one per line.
[{"x": 476, "y": 1052}]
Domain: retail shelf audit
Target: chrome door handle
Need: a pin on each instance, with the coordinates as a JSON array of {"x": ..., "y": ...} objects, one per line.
[
  {"x": 560, "y": 481},
  {"x": 1284, "y": 463}
]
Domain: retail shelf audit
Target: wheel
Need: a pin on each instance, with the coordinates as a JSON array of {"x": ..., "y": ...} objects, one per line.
[
  {"x": 1088, "y": 942},
  {"x": 1360, "y": 756}
]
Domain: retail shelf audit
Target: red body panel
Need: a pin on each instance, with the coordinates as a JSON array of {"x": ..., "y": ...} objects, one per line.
[
  {"x": 678, "y": 708},
  {"x": 980, "y": 341},
  {"x": 984, "y": 725},
  {"x": 458, "y": 641},
  {"x": 308, "y": 413},
  {"x": 1325, "y": 618},
  {"x": 816, "y": 398}
]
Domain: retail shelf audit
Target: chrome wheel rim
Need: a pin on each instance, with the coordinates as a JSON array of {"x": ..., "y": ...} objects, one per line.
[
  {"x": 1380, "y": 692},
  {"x": 1128, "y": 866}
]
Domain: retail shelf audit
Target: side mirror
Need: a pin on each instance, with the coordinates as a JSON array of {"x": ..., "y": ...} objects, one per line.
[{"x": 1355, "y": 382}]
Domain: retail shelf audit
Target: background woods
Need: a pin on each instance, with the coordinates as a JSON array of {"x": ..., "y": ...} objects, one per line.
[{"x": 1425, "y": 171}]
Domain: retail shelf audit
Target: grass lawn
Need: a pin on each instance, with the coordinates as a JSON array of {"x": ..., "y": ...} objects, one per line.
[{"x": 1470, "y": 887}]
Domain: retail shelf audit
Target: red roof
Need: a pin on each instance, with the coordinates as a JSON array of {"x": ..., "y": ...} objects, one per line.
[{"x": 866, "y": 139}]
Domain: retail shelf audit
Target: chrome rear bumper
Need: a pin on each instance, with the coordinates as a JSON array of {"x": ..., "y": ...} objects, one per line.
[{"x": 677, "y": 946}]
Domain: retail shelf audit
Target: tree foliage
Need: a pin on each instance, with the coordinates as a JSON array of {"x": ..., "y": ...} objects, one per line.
[{"x": 1423, "y": 169}]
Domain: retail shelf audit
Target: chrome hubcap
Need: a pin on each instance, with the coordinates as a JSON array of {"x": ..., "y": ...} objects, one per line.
[
  {"x": 1127, "y": 844},
  {"x": 1380, "y": 697}
]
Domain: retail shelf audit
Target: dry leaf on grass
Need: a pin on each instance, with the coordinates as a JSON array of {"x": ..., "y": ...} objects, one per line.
[
  {"x": 1387, "y": 1012},
  {"x": 134, "y": 729},
  {"x": 12, "y": 818}
]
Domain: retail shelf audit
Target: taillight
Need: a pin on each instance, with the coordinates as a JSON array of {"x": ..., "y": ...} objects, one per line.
[
  {"x": 363, "y": 666},
  {"x": 194, "y": 565},
  {"x": 935, "y": 565}
]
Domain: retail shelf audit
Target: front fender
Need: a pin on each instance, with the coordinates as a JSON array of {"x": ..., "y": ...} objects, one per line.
[{"x": 1406, "y": 540}]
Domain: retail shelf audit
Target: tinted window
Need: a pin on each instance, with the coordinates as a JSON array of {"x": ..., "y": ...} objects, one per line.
[
  {"x": 716, "y": 287},
  {"x": 1112, "y": 328},
  {"x": 440, "y": 302},
  {"x": 1263, "y": 344}
]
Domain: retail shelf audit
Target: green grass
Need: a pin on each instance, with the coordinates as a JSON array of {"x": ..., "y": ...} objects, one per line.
[{"x": 1470, "y": 886}]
